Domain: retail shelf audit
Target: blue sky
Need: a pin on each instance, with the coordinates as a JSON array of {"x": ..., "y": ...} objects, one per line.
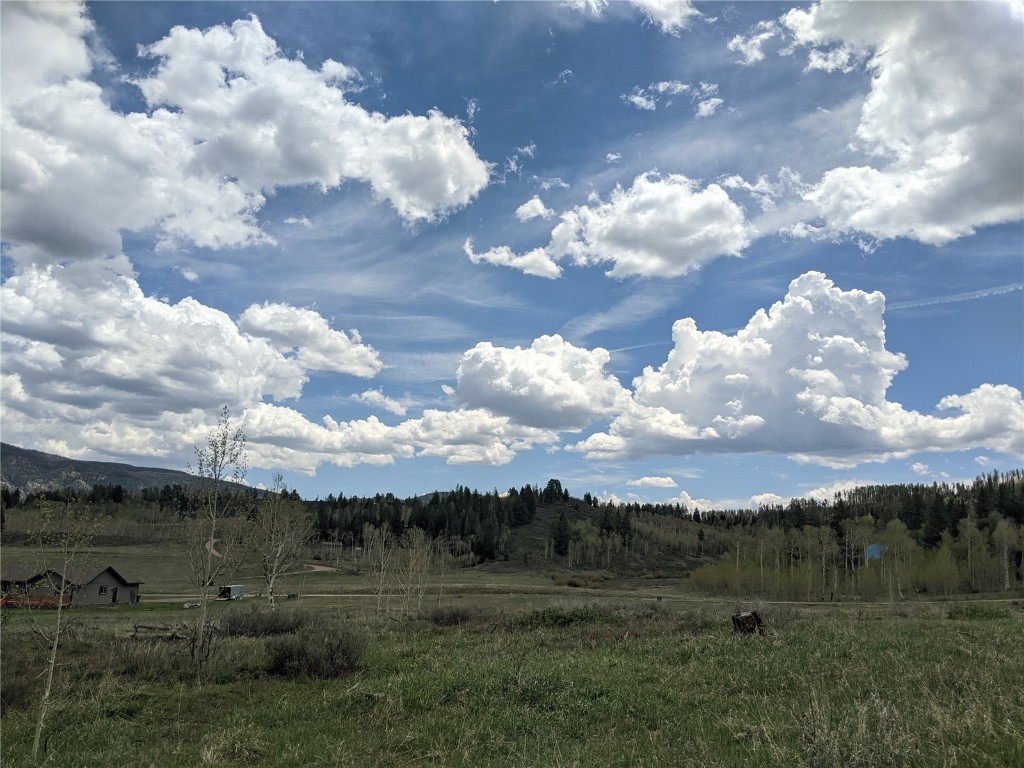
[{"x": 722, "y": 254}]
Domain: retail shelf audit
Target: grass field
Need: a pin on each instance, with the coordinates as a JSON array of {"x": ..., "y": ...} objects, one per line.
[{"x": 539, "y": 675}]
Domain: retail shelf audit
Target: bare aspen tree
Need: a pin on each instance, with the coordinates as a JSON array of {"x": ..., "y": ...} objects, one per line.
[
  {"x": 282, "y": 529},
  {"x": 213, "y": 539},
  {"x": 1004, "y": 539},
  {"x": 63, "y": 537},
  {"x": 379, "y": 548},
  {"x": 827, "y": 549},
  {"x": 413, "y": 568},
  {"x": 442, "y": 564}
]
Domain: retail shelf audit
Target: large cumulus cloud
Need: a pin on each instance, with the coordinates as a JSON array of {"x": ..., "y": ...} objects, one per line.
[
  {"x": 551, "y": 384},
  {"x": 941, "y": 125},
  {"x": 230, "y": 119},
  {"x": 84, "y": 348},
  {"x": 808, "y": 379},
  {"x": 92, "y": 365}
]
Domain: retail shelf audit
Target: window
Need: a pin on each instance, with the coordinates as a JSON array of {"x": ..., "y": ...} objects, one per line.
[{"x": 103, "y": 589}]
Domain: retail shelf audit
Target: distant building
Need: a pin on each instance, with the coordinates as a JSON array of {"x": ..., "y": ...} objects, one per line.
[{"x": 102, "y": 586}]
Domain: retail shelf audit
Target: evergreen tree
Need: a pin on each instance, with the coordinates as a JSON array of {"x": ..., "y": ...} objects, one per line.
[{"x": 562, "y": 534}]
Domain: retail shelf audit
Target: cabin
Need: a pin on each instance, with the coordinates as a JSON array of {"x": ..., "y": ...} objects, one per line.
[
  {"x": 106, "y": 586},
  {"x": 43, "y": 589}
]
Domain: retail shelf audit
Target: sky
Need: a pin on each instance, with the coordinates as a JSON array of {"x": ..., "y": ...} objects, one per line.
[{"x": 712, "y": 254}]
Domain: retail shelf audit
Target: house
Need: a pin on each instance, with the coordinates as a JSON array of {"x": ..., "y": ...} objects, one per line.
[
  {"x": 32, "y": 588},
  {"x": 106, "y": 586},
  {"x": 102, "y": 586}
]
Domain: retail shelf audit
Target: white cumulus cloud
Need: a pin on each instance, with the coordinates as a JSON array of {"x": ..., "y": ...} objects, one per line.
[
  {"x": 536, "y": 262},
  {"x": 653, "y": 482},
  {"x": 661, "y": 226},
  {"x": 230, "y": 118},
  {"x": 648, "y": 98},
  {"x": 942, "y": 122},
  {"x": 670, "y": 16},
  {"x": 751, "y": 47},
  {"x": 808, "y": 379},
  {"x": 533, "y": 208},
  {"x": 306, "y": 334},
  {"x": 708, "y": 107},
  {"x": 377, "y": 399},
  {"x": 93, "y": 364},
  {"x": 550, "y": 384}
]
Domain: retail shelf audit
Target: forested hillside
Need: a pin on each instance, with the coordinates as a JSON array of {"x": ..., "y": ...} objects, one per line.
[
  {"x": 876, "y": 541},
  {"x": 873, "y": 541},
  {"x": 29, "y": 471}
]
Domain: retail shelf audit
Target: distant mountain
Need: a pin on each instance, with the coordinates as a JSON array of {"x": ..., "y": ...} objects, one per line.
[{"x": 30, "y": 470}]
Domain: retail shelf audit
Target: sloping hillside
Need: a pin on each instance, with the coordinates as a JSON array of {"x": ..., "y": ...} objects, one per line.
[{"x": 29, "y": 470}]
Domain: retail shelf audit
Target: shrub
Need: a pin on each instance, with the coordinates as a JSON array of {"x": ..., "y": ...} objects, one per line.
[
  {"x": 454, "y": 615},
  {"x": 259, "y": 621},
  {"x": 976, "y": 612},
  {"x": 590, "y": 580},
  {"x": 564, "y": 617},
  {"x": 150, "y": 660},
  {"x": 321, "y": 649}
]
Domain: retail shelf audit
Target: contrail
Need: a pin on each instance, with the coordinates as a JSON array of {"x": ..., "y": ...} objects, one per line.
[
  {"x": 969, "y": 296},
  {"x": 984, "y": 293},
  {"x": 667, "y": 343}
]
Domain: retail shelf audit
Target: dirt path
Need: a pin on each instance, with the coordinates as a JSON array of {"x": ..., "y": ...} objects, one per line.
[{"x": 317, "y": 569}]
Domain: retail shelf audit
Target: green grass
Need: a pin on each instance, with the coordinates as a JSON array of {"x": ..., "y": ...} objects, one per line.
[{"x": 573, "y": 682}]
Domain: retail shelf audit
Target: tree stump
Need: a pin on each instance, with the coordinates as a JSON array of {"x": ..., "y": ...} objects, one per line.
[{"x": 749, "y": 623}]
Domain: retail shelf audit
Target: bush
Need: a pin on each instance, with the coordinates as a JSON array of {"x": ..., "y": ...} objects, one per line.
[
  {"x": 150, "y": 660},
  {"x": 261, "y": 621},
  {"x": 589, "y": 580},
  {"x": 976, "y": 612},
  {"x": 564, "y": 617},
  {"x": 454, "y": 615},
  {"x": 321, "y": 649}
]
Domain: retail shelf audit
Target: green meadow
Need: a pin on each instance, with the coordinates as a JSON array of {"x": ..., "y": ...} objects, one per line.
[{"x": 499, "y": 667}]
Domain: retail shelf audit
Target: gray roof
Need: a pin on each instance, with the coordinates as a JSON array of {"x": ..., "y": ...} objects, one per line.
[{"x": 77, "y": 575}]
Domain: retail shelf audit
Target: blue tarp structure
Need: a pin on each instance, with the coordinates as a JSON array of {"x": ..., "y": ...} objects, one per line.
[{"x": 875, "y": 551}]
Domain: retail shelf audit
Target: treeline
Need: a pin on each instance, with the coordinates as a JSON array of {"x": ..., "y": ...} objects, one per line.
[
  {"x": 173, "y": 498},
  {"x": 871, "y": 541},
  {"x": 121, "y": 510},
  {"x": 479, "y": 524},
  {"x": 875, "y": 541}
]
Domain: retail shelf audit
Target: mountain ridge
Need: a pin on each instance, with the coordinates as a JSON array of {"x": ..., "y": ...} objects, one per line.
[{"x": 30, "y": 470}]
